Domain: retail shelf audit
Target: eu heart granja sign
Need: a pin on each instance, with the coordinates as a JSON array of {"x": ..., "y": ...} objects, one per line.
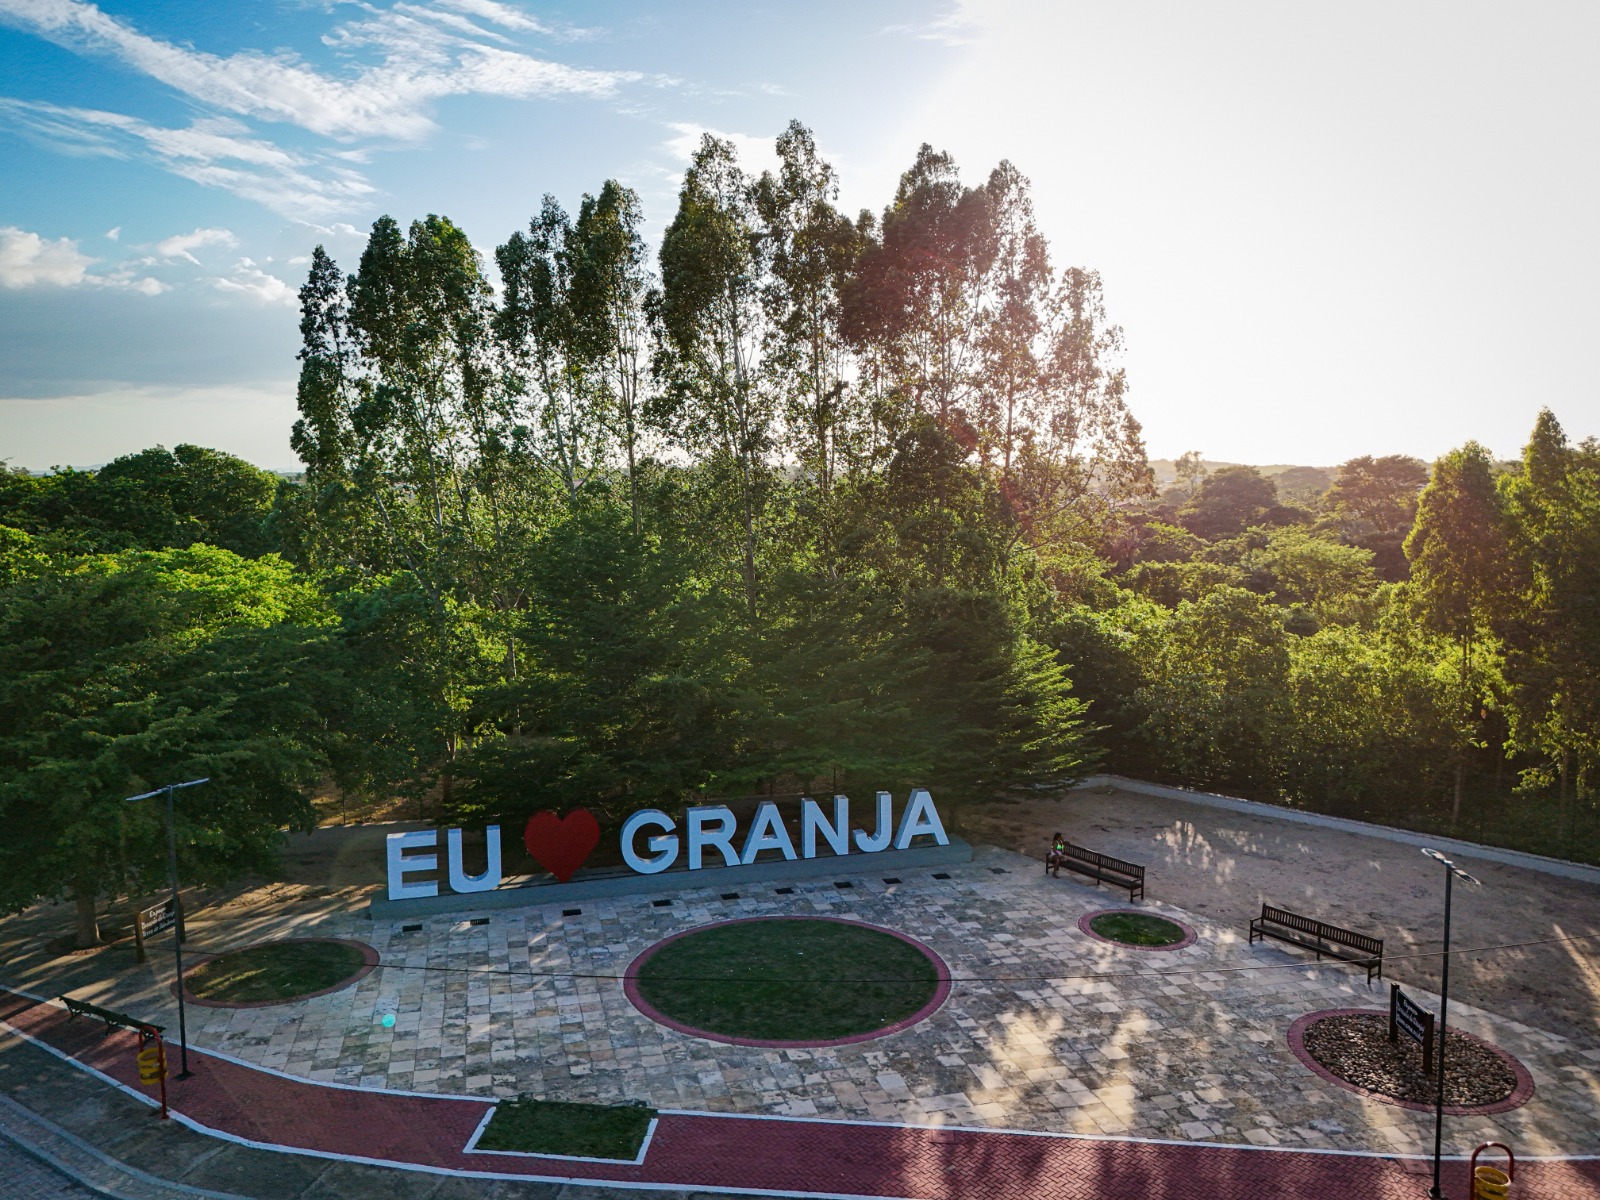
[{"x": 709, "y": 846}]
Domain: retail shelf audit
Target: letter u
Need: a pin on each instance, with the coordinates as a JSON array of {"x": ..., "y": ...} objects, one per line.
[{"x": 460, "y": 881}]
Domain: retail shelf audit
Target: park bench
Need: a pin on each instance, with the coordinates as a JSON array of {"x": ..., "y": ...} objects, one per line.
[
  {"x": 82, "y": 1008},
  {"x": 1311, "y": 934},
  {"x": 1103, "y": 868}
]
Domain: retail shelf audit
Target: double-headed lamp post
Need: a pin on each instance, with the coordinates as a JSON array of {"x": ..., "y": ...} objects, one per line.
[
  {"x": 1451, "y": 872},
  {"x": 172, "y": 879}
]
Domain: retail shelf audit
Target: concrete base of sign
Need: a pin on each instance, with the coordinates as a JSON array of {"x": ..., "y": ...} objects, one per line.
[{"x": 594, "y": 885}]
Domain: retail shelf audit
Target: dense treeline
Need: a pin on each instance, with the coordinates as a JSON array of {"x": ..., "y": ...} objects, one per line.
[{"x": 802, "y": 501}]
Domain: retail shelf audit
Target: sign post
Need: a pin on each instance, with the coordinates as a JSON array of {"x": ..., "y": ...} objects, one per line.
[
  {"x": 177, "y": 911},
  {"x": 1408, "y": 1017},
  {"x": 1436, "y": 1192}
]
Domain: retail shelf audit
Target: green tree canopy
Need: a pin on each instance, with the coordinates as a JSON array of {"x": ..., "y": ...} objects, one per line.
[
  {"x": 1462, "y": 573},
  {"x": 122, "y": 673},
  {"x": 1321, "y": 573},
  {"x": 1216, "y": 693},
  {"x": 1227, "y": 502},
  {"x": 151, "y": 500},
  {"x": 1551, "y": 627},
  {"x": 1377, "y": 494}
]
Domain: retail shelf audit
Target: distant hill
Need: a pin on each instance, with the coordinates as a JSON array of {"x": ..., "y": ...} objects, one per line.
[
  {"x": 1296, "y": 484},
  {"x": 1166, "y": 472}
]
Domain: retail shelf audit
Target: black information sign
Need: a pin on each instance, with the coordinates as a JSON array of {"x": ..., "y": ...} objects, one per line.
[
  {"x": 1408, "y": 1017},
  {"x": 158, "y": 918}
]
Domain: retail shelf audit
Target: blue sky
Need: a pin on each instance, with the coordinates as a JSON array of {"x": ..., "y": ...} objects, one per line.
[{"x": 1326, "y": 231}]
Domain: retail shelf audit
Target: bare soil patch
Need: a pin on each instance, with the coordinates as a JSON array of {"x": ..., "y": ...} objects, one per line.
[{"x": 1356, "y": 1048}]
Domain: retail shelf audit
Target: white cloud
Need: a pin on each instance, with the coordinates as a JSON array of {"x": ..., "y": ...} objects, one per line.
[
  {"x": 420, "y": 62},
  {"x": 958, "y": 27},
  {"x": 28, "y": 260},
  {"x": 250, "y": 280},
  {"x": 394, "y": 64},
  {"x": 756, "y": 154},
  {"x": 509, "y": 17},
  {"x": 114, "y": 232},
  {"x": 180, "y": 245},
  {"x": 214, "y": 152},
  {"x": 461, "y": 25},
  {"x": 500, "y": 14}
]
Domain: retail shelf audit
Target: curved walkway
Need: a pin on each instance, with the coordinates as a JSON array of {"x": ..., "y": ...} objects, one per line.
[
  {"x": 27, "y": 1178},
  {"x": 756, "y": 1155}
]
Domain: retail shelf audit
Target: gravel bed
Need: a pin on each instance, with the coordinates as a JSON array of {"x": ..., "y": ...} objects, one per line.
[{"x": 1357, "y": 1049}]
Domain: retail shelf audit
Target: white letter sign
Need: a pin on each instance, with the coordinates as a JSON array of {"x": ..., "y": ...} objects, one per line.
[
  {"x": 767, "y": 833},
  {"x": 663, "y": 846},
  {"x": 460, "y": 881},
  {"x": 560, "y": 844},
  {"x": 920, "y": 817},
  {"x": 402, "y": 864},
  {"x": 700, "y": 837},
  {"x": 812, "y": 822},
  {"x": 879, "y": 840}
]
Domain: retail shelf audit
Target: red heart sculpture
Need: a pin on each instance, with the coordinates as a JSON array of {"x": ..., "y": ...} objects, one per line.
[{"x": 560, "y": 844}]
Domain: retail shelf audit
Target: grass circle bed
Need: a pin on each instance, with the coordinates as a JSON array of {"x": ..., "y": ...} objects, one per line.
[
  {"x": 1138, "y": 929},
  {"x": 278, "y": 972},
  {"x": 788, "y": 981}
]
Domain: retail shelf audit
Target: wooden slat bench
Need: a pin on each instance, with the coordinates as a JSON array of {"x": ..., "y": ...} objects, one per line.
[
  {"x": 82, "y": 1008},
  {"x": 1308, "y": 933},
  {"x": 1103, "y": 868}
]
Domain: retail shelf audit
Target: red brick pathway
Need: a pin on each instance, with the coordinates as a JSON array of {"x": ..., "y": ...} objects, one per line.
[{"x": 757, "y": 1154}]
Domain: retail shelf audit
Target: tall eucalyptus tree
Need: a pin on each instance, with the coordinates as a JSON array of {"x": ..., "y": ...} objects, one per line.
[
  {"x": 958, "y": 315},
  {"x": 916, "y": 303},
  {"x": 561, "y": 418},
  {"x": 1013, "y": 335},
  {"x": 718, "y": 400},
  {"x": 1086, "y": 449},
  {"x": 409, "y": 450},
  {"x": 813, "y": 249},
  {"x": 429, "y": 418},
  {"x": 1462, "y": 570},
  {"x": 1551, "y": 629},
  {"x": 611, "y": 291}
]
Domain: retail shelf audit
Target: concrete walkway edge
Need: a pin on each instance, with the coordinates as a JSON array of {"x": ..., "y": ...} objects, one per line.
[{"x": 87, "y": 1165}]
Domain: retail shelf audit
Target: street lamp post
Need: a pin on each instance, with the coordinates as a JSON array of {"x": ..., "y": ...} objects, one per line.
[
  {"x": 1450, "y": 873},
  {"x": 177, "y": 940}
]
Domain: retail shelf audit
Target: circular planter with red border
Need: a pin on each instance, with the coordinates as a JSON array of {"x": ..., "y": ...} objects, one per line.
[
  {"x": 369, "y": 963},
  {"x": 1520, "y": 1094},
  {"x": 1188, "y": 939},
  {"x": 630, "y": 987}
]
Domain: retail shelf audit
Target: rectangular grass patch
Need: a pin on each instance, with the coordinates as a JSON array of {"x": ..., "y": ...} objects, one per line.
[{"x": 529, "y": 1126}]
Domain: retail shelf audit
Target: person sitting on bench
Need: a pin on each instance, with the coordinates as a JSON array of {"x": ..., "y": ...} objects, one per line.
[{"x": 1058, "y": 851}]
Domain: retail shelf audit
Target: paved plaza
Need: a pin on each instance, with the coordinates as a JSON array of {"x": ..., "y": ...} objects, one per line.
[{"x": 1045, "y": 1030}]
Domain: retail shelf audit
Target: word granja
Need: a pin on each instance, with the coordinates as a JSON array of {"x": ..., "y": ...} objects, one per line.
[{"x": 562, "y": 844}]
